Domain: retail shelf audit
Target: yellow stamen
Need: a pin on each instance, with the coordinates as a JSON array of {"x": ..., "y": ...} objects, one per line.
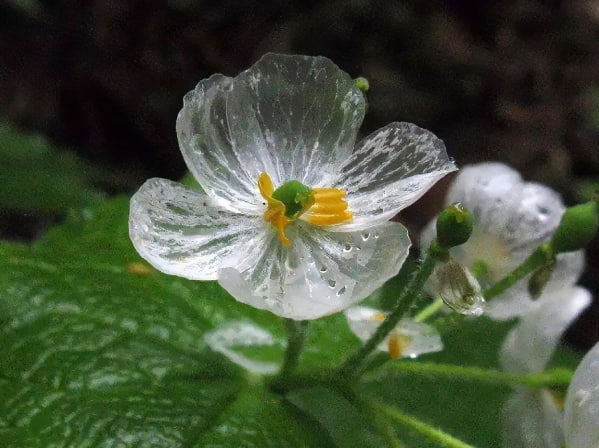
[
  {"x": 329, "y": 208},
  {"x": 396, "y": 344}
]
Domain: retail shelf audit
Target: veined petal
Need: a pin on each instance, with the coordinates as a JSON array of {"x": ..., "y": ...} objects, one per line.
[
  {"x": 512, "y": 217},
  {"x": 179, "y": 231},
  {"x": 582, "y": 403},
  {"x": 322, "y": 273},
  {"x": 516, "y": 301},
  {"x": 531, "y": 343},
  {"x": 293, "y": 117},
  {"x": 389, "y": 170},
  {"x": 531, "y": 419}
]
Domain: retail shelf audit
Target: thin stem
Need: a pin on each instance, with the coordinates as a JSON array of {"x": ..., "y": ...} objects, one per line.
[
  {"x": 296, "y": 335},
  {"x": 552, "y": 378},
  {"x": 406, "y": 299},
  {"x": 542, "y": 255},
  {"x": 429, "y": 311},
  {"x": 430, "y": 432}
]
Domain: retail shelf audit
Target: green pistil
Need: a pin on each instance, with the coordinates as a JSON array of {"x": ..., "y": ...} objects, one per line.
[{"x": 296, "y": 197}]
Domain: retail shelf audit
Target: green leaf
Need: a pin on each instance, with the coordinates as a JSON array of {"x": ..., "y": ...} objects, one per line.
[
  {"x": 100, "y": 350},
  {"x": 36, "y": 177}
]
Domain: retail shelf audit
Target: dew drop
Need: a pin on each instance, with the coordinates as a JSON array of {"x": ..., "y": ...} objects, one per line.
[
  {"x": 332, "y": 283},
  {"x": 342, "y": 291},
  {"x": 347, "y": 247},
  {"x": 365, "y": 236},
  {"x": 324, "y": 268}
]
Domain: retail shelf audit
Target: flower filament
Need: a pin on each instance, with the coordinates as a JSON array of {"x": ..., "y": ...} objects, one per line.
[{"x": 287, "y": 203}]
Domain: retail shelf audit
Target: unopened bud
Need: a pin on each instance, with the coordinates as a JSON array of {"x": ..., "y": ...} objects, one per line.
[
  {"x": 362, "y": 84},
  {"x": 577, "y": 228},
  {"x": 458, "y": 288},
  {"x": 454, "y": 226}
]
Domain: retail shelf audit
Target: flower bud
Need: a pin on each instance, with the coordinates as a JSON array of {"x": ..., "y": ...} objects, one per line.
[
  {"x": 362, "y": 84},
  {"x": 458, "y": 288},
  {"x": 577, "y": 228},
  {"x": 454, "y": 226}
]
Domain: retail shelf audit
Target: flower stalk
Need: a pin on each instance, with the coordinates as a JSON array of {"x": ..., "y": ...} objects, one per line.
[{"x": 296, "y": 336}]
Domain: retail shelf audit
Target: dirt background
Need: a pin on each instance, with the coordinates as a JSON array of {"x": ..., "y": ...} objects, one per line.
[{"x": 515, "y": 81}]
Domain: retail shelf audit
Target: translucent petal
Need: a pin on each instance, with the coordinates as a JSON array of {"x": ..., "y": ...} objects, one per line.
[
  {"x": 231, "y": 338},
  {"x": 389, "y": 170},
  {"x": 321, "y": 273},
  {"x": 180, "y": 232},
  {"x": 419, "y": 338},
  {"x": 293, "y": 117},
  {"x": 582, "y": 403},
  {"x": 516, "y": 301},
  {"x": 512, "y": 217},
  {"x": 531, "y": 419},
  {"x": 531, "y": 343}
]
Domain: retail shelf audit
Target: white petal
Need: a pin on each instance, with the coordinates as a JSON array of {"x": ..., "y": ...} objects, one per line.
[
  {"x": 390, "y": 170},
  {"x": 582, "y": 403},
  {"x": 531, "y": 343},
  {"x": 322, "y": 273},
  {"x": 180, "y": 232},
  {"x": 420, "y": 338},
  {"x": 231, "y": 338},
  {"x": 511, "y": 217},
  {"x": 531, "y": 419},
  {"x": 293, "y": 117}
]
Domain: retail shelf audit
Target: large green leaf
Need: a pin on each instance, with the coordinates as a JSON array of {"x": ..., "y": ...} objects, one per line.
[{"x": 97, "y": 349}]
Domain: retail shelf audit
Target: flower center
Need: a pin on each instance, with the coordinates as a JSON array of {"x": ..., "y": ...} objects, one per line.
[{"x": 319, "y": 206}]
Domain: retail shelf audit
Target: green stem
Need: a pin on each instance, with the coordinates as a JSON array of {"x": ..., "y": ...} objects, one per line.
[
  {"x": 406, "y": 299},
  {"x": 430, "y": 432},
  {"x": 429, "y": 311},
  {"x": 541, "y": 256},
  {"x": 552, "y": 378},
  {"x": 296, "y": 335}
]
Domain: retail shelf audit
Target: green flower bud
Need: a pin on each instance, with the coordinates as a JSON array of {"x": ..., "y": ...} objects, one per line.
[
  {"x": 362, "y": 84},
  {"x": 577, "y": 228},
  {"x": 454, "y": 226}
]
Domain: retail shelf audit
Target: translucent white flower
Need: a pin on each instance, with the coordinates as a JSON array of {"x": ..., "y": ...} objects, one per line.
[
  {"x": 293, "y": 218},
  {"x": 582, "y": 404},
  {"x": 534, "y": 418},
  {"x": 511, "y": 219},
  {"x": 409, "y": 339}
]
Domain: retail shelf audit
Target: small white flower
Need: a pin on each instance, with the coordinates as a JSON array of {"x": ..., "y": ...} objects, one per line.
[
  {"x": 534, "y": 418},
  {"x": 511, "y": 219},
  {"x": 293, "y": 218},
  {"x": 581, "y": 420},
  {"x": 409, "y": 339}
]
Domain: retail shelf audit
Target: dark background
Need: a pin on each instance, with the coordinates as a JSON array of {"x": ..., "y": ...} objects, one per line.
[{"x": 515, "y": 81}]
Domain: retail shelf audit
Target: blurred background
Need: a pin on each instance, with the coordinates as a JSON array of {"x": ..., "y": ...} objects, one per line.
[{"x": 515, "y": 81}]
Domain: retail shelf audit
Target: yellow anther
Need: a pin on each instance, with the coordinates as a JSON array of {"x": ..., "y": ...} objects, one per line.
[
  {"x": 378, "y": 317},
  {"x": 318, "y": 206},
  {"x": 330, "y": 208},
  {"x": 397, "y": 343}
]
